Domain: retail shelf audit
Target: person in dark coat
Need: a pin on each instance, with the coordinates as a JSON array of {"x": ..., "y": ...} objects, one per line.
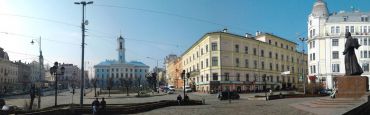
[
  {"x": 350, "y": 60},
  {"x": 102, "y": 105},
  {"x": 95, "y": 105},
  {"x": 179, "y": 98},
  {"x": 186, "y": 98}
]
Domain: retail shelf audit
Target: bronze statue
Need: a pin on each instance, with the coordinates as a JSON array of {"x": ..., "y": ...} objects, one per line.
[{"x": 350, "y": 59}]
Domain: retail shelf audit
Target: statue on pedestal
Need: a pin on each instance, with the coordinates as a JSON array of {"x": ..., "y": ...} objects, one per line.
[{"x": 350, "y": 59}]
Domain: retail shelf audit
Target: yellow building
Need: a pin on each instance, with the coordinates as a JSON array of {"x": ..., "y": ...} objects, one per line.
[{"x": 221, "y": 60}]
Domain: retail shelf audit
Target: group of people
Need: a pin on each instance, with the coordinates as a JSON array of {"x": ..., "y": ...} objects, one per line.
[
  {"x": 98, "y": 106},
  {"x": 179, "y": 99}
]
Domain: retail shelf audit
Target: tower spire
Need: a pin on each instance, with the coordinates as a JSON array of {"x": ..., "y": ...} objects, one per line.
[{"x": 121, "y": 49}]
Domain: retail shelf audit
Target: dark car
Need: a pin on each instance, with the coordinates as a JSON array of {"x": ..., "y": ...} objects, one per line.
[
  {"x": 325, "y": 91},
  {"x": 225, "y": 95}
]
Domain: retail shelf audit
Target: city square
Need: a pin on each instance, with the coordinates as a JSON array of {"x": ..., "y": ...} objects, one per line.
[{"x": 164, "y": 57}]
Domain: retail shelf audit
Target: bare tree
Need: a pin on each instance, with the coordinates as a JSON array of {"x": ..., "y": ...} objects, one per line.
[
  {"x": 110, "y": 85},
  {"x": 128, "y": 84}
]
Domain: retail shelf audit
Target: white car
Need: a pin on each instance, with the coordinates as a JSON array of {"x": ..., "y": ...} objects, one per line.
[
  {"x": 188, "y": 89},
  {"x": 171, "y": 91},
  {"x": 171, "y": 87}
]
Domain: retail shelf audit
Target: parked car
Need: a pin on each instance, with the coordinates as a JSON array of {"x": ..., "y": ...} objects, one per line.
[
  {"x": 171, "y": 87},
  {"x": 224, "y": 95},
  {"x": 326, "y": 91},
  {"x": 171, "y": 91},
  {"x": 188, "y": 89}
]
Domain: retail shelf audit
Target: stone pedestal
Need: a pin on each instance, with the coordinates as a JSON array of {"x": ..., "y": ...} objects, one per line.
[{"x": 351, "y": 86}]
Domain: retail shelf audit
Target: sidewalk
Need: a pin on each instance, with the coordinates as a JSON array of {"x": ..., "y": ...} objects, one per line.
[
  {"x": 91, "y": 95},
  {"x": 328, "y": 106}
]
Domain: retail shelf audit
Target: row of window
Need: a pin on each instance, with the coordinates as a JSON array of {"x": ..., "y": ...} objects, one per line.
[
  {"x": 236, "y": 49},
  {"x": 336, "y": 68},
  {"x": 126, "y": 75},
  {"x": 237, "y": 77},
  {"x": 335, "y": 42},
  {"x": 365, "y": 54},
  {"x": 117, "y": 70},
  {"x": 5, "y": 80},
  {"x": 5, "y": 71},
  {"x": 237, "y": 64},
  {"x": 281, "y": 45},
  {"x": 364, "y": 41},
  {"x": 189, "y": 59},
  {"x": 352, "y": 29}
]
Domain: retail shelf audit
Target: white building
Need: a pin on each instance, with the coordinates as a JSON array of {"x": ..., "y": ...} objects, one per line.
[
  {"x": 326, "y": 41},
  {"x": 119, "y": 69},
  {"x": 35, "y": 71}
]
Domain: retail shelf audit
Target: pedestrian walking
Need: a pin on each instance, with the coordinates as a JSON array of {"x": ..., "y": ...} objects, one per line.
[
  {"x": 179, "y": 98},
  {"x": 95, "y": 105}
]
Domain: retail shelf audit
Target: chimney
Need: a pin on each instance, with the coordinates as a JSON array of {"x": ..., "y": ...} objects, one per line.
[
  {"x": 247, "y": 35},
  {"x": 258, "y": 33}
]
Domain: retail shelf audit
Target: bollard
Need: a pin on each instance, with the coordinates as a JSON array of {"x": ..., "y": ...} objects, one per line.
[{"x": 203, "y": 101}]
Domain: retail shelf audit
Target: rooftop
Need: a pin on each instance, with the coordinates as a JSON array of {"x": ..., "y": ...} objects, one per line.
[
  {"x": 353, "y": 16},
  {"x": 112, "y": 62}
]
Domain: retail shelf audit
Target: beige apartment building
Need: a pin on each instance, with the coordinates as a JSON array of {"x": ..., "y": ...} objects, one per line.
[
  {"x": 174, "y": 69},
  {"x": 222, "y": 60}
]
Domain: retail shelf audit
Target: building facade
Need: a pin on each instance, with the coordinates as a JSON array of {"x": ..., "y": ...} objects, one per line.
[
  {"x": 35, "y": 72},
  {"x": 221, "y": 60},
  {"x": 8, "y": 74},
  {"x": 173, "y": 71},
  {"x": 24, "y": 72},
  {"x": 326, "y": 41},
  {"x": 71, "y": 77},
  {"x": 119, "y": 69}
]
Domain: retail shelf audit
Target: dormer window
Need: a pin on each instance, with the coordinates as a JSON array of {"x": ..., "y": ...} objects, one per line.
[
  {"x": 345, "y": 18},
  {"x": 364, "y": 18}
]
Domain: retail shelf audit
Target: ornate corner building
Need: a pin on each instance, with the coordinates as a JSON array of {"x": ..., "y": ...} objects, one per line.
[{"x": 326, "y": 39}]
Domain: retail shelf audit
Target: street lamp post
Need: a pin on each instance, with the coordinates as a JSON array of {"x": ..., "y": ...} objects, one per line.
[
  {"x": 304, "y": 78},
  {"x": 183, "y": 78},
  {"x": 54, "y": 71},
  {"x": 84, "y": 22},
  {"x": 264, "y": 79},
  {"x": 41, "y": 65},
  {"x": 94, "y": 84}
]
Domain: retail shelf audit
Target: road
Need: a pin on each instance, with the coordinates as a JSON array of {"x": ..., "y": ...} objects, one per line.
[
  {"x": 213, "y": 105},
  {"x": 64, "y": 97}
]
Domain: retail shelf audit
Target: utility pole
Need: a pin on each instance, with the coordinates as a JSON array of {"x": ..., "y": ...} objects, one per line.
[
  {"x": 304, "y": 78},
  {"x": 83, "y": 3}
]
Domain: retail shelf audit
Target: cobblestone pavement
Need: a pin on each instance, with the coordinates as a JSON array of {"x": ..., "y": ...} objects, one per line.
[
  {"x": 213, "y": 105},
  {"x": 236, "y": 107}
]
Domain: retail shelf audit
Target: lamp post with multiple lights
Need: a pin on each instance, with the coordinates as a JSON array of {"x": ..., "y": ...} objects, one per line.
[{"x": 84, "y": 22}]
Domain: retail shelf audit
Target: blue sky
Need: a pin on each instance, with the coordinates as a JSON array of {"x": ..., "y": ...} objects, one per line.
[{"x": 153, "y": 28}]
